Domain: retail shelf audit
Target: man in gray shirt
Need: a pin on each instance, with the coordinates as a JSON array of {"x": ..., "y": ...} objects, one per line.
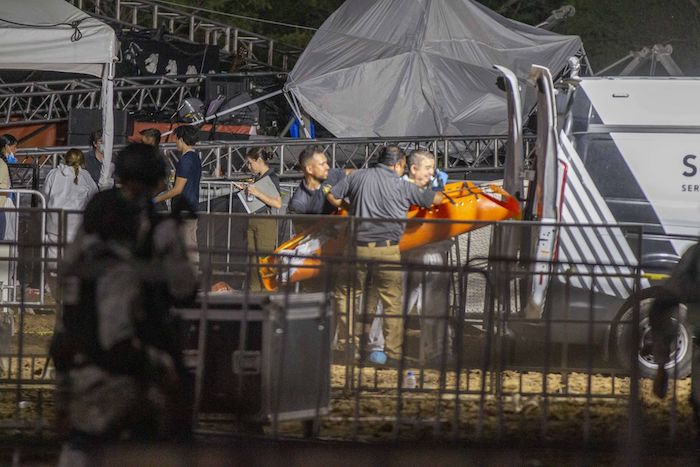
[{"x": 380, "y": 194}]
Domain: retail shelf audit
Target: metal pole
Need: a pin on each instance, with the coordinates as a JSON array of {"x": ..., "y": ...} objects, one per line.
[
  {"x": 445, "y": 155},
  {"x": 282, "y": 159},
  {"x": 231, "y": 110},
  {"x": 155, "y": 17}
]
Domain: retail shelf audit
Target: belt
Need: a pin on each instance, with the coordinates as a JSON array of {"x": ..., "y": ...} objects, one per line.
[{"x": 380, "y": 243}]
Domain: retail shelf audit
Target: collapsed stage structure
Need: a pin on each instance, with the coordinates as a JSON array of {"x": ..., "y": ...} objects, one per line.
[{"x": 428, "y": 71}]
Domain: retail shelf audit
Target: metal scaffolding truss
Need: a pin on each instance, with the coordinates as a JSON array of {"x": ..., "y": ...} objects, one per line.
[
  {"x": 226, "y": 159},
  {"x": 259, "y": 51},
  {"x": 51, "y": 101}
]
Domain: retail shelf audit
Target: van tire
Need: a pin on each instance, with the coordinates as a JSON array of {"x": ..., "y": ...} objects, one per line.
[{"x": 647, "y": 367}]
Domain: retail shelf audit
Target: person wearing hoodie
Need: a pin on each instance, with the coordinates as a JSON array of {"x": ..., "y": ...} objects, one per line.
[{"x": 68, "y": 187}]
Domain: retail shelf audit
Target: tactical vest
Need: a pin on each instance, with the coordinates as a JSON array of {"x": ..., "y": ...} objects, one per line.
[{"x": 76, "y": 341}]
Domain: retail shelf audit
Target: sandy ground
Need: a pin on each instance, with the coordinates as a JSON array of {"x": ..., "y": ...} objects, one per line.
[
  {"x": 367, "y": 405},
  {"x": 527, "y": 409}
]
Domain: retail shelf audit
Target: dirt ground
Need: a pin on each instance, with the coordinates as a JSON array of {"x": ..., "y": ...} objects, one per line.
[
  {"x": 367, "y": 405},
  {"x": 368, "y": 412}
]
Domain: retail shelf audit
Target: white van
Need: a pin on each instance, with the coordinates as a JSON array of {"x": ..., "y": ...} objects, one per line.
[{"x": 622, "y": 150}]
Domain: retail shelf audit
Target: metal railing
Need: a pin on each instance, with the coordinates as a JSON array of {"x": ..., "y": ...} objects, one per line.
[
  {"x": 496, "y": 374},
  {"x": 51, "y": 101},
  {"x": 16, "y": 242},
  {"x": 259, "y": 50},
  {"x": 455, "y": 154}
]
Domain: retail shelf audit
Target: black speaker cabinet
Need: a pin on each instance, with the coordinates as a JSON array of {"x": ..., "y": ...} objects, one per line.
[
  {"x": 259, "y": 357},
  {"x": 230, "y": 88},
  {"x": 82, "y": 122}
]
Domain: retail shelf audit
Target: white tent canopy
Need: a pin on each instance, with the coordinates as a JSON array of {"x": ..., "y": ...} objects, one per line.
[
  {"x": 418, "y": 68},
  {"x": 55, "y": 36}
]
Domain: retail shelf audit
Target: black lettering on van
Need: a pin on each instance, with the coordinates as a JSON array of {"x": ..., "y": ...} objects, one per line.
[{"x": 692, "y": 168}]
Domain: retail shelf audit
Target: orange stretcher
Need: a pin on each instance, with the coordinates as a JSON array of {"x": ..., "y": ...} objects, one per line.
[{"x": 299, "y": 258}]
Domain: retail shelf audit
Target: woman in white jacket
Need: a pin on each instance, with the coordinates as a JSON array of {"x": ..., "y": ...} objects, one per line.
[{"x": 67, "y": 187}]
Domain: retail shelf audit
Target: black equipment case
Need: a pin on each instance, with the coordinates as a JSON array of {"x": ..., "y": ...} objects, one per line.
[{"x": 259, "y": 358}]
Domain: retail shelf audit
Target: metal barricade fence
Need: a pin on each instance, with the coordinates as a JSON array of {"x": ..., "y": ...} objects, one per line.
[
  {"x": 455, "y": 154},
  {"x": 370, "y": 388},
  {"x": 483, "y": 369},
  {"x": 14, "y": 226}
]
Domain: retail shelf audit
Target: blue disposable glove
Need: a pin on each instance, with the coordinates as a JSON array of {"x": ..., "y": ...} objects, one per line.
[{"x": 439, "y": 180}]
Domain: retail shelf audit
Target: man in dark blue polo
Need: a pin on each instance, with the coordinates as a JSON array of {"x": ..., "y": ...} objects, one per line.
[
  {"x": 185, "y": 191},
  {"x": 319, "y": 178},
  {"x": 380, "y": 194}
]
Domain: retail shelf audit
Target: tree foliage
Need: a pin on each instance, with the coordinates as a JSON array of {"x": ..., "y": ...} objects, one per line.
[{"x": 610, "y": 29}]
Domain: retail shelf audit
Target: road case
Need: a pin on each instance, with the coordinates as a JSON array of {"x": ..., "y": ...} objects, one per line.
[{"x": 259, "y": 355}]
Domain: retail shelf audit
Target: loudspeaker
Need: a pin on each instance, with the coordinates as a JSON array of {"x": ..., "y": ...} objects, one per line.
[
  {"x": 217, "y": 87},
  {"x": 82, "y": 122}
]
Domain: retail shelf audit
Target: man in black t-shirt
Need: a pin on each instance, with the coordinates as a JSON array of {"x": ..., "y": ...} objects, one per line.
[
  {"x": 319, "y": 178},
  {"x": 94, "y": 159}
]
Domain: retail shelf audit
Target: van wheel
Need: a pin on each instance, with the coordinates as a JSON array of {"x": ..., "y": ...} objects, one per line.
[{"x": 681, "y": 355}]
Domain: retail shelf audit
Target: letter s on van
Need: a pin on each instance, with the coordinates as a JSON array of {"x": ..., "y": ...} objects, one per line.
[{"x": 692, "y": 168}]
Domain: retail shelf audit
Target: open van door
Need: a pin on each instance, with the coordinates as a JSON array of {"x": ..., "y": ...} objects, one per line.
[
  {"x": 545, "y": 199},
  {"x": 583, "y": 255},
  {"x": 566, "y": 194},
  {"x": 513, "y": 177},
  {"x": 506, "y": 238}
]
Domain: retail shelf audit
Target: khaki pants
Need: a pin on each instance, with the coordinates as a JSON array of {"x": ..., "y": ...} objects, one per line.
[
  {"x": 383, "y": 282},
  {"x": 347, "y": 294},
  {"x": 262, "y": 239},
  {"x": 189, "y": 232}
]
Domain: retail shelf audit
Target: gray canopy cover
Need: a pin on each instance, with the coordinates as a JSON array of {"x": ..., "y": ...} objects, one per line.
[{"x": 418, "y": 67}]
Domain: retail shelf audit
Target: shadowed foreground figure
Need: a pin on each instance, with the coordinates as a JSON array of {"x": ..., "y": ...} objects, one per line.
[
  {"x": 118, "y": 362},
  {"x": 682, "y": 287}
]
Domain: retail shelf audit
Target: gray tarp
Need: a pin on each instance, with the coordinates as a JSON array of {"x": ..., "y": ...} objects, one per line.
[{"x": 418, "y": 67}]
